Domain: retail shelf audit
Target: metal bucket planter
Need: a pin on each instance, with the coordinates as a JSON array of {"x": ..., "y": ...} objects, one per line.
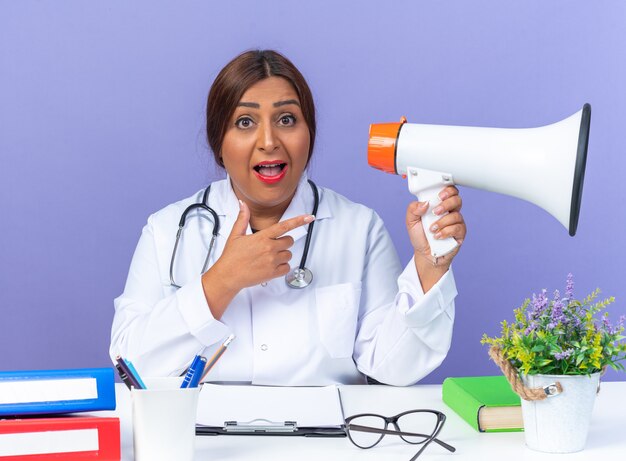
[{"x": 560, "y": 423}]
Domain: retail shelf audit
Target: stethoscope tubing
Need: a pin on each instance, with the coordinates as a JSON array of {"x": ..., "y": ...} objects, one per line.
[
  {"x": 298, "y": 273},
  {"x": 309, "y": 230}
]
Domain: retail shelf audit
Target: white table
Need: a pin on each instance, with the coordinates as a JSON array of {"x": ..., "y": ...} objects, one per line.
[{"x": 606, "y": 441}]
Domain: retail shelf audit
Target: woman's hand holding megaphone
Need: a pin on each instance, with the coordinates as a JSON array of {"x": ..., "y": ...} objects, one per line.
[{"x": 452, "y": 224}]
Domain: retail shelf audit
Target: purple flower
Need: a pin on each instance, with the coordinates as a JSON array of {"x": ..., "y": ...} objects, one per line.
[
  {"x": 557, "y": 310},
  {"x": 563, "y": 355},
  {"x": 612, "y": 329},
  {"x": 569, "y": 289},
  {"x": 531, "y": 327},
  {"x": 538, "y": 305}
]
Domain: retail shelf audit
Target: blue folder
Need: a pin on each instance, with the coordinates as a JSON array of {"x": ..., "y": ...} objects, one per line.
[{"x": 56, "y": 391}]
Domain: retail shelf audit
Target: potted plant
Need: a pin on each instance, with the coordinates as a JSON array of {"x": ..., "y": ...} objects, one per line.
[{"x": 553, "y": 354}]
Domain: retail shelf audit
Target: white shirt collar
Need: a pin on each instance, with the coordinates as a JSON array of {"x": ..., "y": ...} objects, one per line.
[{"x": 224, "y": 201}]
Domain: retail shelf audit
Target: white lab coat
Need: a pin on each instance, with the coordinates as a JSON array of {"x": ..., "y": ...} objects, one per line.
[{"x": 361, "y": 316}]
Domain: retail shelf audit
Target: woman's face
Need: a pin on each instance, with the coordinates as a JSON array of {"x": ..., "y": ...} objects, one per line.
[{"x": 266, "y": 145}]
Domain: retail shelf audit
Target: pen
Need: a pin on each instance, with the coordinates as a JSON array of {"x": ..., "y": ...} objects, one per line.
[
  {"x": 217, "y": 355},
  {"x": 132, "y": 380},
  {"x": 196, "y": 367},
  {"x": 195, "y": 379},
  {"x": 135, "y": 373},
  {"x": 123, "y": 375}
]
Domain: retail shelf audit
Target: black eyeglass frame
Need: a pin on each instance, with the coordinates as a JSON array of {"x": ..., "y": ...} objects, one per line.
[{"x": 441, "y": 419}]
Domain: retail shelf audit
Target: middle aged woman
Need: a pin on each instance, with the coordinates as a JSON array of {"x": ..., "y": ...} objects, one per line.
[{"x": 361, "y": 315}]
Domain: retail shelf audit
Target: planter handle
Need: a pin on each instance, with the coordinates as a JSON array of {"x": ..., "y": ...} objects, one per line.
[{"x": 539, "y": 393}]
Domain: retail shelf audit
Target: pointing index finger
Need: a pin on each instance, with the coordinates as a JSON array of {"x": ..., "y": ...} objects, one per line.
[{"x": 281, "y": 228}]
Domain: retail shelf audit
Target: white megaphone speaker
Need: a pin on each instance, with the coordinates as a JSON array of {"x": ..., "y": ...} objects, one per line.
[{"x": 544, "y": 165}]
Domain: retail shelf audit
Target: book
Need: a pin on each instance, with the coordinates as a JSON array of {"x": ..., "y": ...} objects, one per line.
[
  {"x": 56, "y": 391},
  {"x": 487, "y": 403},
  {"x": 67, "y": 438}
]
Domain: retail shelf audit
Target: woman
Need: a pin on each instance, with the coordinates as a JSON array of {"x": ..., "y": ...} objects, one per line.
[{"x": 360, "y": 316}]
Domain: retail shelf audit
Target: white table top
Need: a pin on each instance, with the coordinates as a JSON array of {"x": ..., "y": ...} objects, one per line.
[{"x": 606, "y": 436}]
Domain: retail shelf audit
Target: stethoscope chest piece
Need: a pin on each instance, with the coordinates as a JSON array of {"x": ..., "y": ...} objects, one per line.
[{"x": 299, "y": 278}]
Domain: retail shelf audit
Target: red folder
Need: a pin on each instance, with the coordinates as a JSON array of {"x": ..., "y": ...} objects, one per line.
[{"x": 68, "y": 438}]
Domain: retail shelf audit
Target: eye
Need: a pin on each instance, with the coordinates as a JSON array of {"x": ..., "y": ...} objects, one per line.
[
  {"x": 243, "y": 123},
  {"x": 287, "y": 120}
]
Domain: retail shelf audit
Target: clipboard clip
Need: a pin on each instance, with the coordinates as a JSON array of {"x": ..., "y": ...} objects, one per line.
[{"x": 259, "y": 426}]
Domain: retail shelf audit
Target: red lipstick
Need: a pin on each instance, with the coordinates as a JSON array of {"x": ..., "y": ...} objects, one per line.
[{"x": 270, "y": 171}]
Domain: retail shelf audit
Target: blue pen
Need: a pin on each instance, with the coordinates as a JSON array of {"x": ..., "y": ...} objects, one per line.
[
  {"x": 195, "y": 380},
  {"x": 192, "y": 371},
  {"x": 133, "y": 370}
]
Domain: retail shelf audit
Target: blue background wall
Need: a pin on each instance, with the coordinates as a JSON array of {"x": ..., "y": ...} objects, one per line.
[{"x": 101, "y": 124}]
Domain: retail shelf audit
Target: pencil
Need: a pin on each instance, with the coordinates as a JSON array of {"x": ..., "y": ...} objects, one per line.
[{"x": 217, "y": 356}]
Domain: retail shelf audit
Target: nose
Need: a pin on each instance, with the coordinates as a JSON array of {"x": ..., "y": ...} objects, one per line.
[{"x": 267, "y": 141}]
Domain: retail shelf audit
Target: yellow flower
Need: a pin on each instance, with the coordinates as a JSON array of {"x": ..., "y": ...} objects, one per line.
[{"x": 596, "y": 354}]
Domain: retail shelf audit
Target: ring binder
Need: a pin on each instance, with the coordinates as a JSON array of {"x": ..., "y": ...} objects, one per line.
[
  {"x": 34, "y": 392},
  {"x": 260, "y": 425}
]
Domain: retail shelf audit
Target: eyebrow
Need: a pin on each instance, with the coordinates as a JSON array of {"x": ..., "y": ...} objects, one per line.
[
  {"x": 286, "y": 102},
  {"x": 256, "y": 105}
]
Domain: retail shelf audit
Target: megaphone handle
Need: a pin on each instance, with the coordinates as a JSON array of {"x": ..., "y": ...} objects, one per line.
[{"x": 426, "y": 186}]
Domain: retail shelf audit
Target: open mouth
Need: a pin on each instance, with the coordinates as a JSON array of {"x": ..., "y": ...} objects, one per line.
[{"x": 270, "y": 171}]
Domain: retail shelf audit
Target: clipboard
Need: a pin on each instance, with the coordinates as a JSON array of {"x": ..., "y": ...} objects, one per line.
[{"x": 280, "y": 411}]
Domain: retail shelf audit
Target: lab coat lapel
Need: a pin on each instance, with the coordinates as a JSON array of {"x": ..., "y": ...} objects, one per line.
[
  {"x": 225, "y": 203},
  {"x": 302, "y": 203}
]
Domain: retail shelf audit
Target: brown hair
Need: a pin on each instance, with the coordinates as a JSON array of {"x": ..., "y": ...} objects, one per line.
[{"x": 234, "y": 80}]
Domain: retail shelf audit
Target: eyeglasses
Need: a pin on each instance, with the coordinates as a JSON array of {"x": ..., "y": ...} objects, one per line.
[{"x": 414, "y": 426}]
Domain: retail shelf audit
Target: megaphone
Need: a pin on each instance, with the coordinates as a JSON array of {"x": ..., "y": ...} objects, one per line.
[{"x": 544, "y": 165}]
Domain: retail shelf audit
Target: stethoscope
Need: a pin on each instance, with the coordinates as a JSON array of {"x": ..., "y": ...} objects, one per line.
[{"x": 300, "y": 277}]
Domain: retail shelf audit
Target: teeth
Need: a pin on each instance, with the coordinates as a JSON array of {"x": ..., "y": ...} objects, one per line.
[{"x": 270, "y": 170}]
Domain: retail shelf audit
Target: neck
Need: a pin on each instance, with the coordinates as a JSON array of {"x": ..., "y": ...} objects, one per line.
[{"x": 262, "y": 217}]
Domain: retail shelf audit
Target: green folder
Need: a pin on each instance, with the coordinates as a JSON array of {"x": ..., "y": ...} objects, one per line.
[{"x": 487, "y": 403}]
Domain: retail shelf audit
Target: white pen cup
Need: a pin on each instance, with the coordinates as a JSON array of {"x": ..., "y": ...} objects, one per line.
[{"x": 164, "y": 420}]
